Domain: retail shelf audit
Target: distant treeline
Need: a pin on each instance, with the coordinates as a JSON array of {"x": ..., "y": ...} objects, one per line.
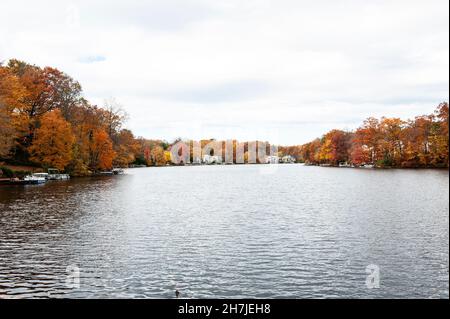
[
  {"x": 45, "y": 121},
  {"x": 385, "y": 142}
]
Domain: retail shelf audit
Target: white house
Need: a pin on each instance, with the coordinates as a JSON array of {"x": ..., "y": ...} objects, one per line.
[
  {"x": 288, "y": 159},
  {"x": 208, "y": 159},
  {"x": 272, "y": 159}
]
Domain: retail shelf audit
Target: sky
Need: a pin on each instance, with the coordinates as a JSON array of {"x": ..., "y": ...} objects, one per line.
[{"x": 286, "y": 71}]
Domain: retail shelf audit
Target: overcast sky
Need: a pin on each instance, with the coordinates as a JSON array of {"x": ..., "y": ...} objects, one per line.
[{"x": 283, "y": 70}]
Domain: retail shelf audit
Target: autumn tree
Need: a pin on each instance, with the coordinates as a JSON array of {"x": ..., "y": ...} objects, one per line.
[
  {"x": 294, "y": 151},
  {"x": 310, "y": 152},
  {"x": 36, "y": 100},
  {"x": 144, "y": 150},
  {"x": 101, "y": 151},
  {"x": 126, "y": 147},
  {"x": 113, "y": 117},
  {"x": 53, "y": 143},
  {"x": 42, "y": 90},
  {"x": 45, "y": 89},
  {"x": 390, "y": 145},
  {"x": 359, "y": 154},
  {"x": 157, "y": 156},
  {"x": 7, "y": 132},
  {"x": 441, "y": 138},
  {"x": 64, "y": 92},
  {"x": 417, "y": 143},
  {"x": 442, "y": 114},
  {"x": 7, "y": 101},
  {"x": 11, "y": 90},
  {"x": 368, "y": 136},
  {"x": 11, "y": 125}
]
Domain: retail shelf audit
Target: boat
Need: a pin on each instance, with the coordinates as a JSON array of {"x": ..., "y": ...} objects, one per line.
[
  {"x": 44, "y": 175},
  {"x": 106, "y": 173},
  {"x": 117, "y": 171},
  {"x": 114, "y": 171},
  {"x": 54, "y": 174},
  {"x": 29, "y": 180},
  {"x": 137, "y": 166}
]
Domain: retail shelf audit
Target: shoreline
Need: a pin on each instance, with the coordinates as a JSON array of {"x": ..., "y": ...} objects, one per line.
[
  {"x": 4, "y": 180},
  {"x": 300, "y": 164}
]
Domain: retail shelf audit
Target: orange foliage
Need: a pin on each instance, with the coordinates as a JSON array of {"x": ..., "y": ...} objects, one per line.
[
  {"x": 45, "y": 119},
  {"x": 34, "y": 101},
  {"x": 389, "y": 142},
  {"x": 101, "y": 151},
  {"x": 53, "y": 143}
]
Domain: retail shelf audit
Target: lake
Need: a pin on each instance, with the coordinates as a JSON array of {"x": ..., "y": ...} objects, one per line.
[{"x": 250, "y": 231}]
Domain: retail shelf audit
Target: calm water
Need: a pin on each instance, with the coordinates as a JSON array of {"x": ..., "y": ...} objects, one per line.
[{"x": 229, "y": 231}]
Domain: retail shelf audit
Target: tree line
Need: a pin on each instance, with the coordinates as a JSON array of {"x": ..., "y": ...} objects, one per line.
[
  {"x": 161, "y": 153},
  {"x": 386, "y": 142},
  {"x": 45, "y": 121}
]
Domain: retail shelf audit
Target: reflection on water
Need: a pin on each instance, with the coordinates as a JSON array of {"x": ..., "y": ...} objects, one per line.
[{"x": 229, "y": 231}]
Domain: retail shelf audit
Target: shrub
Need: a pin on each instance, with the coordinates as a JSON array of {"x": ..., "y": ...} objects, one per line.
[{"x": 6, "y": 172}]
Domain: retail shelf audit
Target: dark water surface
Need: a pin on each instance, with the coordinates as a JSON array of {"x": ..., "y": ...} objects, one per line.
[{"x": 229, "y": 231}]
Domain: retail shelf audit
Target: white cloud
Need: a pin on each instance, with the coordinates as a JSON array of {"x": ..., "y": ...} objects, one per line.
[{"x": 286, "y": 69}]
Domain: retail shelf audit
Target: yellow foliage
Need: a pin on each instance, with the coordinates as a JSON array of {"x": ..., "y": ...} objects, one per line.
[{"x": 168, "y": 156}]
